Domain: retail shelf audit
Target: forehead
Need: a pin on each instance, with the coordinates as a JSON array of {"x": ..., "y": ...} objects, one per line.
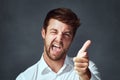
[{"x": 56, "y": 24}]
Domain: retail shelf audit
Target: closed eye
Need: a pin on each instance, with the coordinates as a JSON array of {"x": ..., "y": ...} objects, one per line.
[
  {"x": 67, "y": 34},
  {"x": 53, "y": 31}
]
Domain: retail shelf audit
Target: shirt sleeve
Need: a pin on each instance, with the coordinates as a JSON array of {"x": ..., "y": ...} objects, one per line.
[{"x": 95, "y": 75}]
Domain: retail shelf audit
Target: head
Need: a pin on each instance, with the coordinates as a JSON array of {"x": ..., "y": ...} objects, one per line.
[
  {"x": 58, "y": 31},
  {"x": 64, "y": 15}
]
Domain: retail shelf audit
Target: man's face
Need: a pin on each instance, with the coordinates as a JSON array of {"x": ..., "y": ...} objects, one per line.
[{"x": 57, "y": 39}]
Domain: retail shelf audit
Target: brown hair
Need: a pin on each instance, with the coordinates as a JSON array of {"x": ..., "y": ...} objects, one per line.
[{"x": 64, "y": 15}]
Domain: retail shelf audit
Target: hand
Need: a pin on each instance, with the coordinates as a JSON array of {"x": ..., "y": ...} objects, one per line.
[{"x": 81, "y": 62}]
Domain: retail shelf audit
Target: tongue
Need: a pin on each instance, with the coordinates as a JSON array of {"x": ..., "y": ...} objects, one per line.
[{"x": 56, "y": 49}]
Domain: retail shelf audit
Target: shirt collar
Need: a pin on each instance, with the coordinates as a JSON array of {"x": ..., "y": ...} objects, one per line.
[
  {"x": 68, "y": 64},
  {"x": 69, "y": 61},
  {"x": 43, "y": 67}
]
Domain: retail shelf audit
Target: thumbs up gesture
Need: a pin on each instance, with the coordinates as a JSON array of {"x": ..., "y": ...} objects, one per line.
[{"x": 81, "y": 62}]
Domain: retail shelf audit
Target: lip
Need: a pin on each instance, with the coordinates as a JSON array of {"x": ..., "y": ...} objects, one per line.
[{"x": 56, "y": 48}]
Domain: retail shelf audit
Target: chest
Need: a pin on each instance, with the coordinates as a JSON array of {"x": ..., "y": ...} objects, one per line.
[{"x": 71, "y": 75}]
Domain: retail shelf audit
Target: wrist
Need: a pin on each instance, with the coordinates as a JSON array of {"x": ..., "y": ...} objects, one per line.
[{"x": 86, "y": 75}]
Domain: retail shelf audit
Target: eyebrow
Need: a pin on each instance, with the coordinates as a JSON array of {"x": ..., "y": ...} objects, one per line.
[
  {"x": 53, "y": 29},
  {"x": 68, "y": 31}
]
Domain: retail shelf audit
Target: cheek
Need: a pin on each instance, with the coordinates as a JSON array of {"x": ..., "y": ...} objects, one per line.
[
  {"x": 67, "y": 43},
  {"x": 49, "y": 39}
]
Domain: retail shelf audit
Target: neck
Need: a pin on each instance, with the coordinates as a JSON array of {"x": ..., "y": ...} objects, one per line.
[{"x": 55, "y": 65}]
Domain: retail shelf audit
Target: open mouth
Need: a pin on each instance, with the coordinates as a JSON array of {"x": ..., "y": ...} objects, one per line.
[{"x": 56, "y": 48}]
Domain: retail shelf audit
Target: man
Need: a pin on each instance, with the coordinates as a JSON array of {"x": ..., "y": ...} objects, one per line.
[{"x": 58, "y": 32}]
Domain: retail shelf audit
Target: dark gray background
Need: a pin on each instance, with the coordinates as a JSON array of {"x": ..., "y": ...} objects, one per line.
[{"x": 21, "y": 44}]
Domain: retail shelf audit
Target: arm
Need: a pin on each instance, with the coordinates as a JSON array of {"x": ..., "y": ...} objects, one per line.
[{"x": 81, "y": 64}]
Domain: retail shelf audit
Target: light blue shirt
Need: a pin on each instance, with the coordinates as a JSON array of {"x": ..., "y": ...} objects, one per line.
[{"x": 41, "y": 71}]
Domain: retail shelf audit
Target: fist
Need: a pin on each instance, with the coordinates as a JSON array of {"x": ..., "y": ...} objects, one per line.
[{"x": 81, "y": 61}]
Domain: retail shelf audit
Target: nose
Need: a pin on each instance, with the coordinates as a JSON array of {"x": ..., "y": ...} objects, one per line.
[{"x": 59, "y": 37}]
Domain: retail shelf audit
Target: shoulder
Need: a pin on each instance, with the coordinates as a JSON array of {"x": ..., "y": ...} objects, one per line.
[
  {"x": 28, "y": 73},
  {"x": 31, "y": 69},
  {"x": 92, "y": 65}
]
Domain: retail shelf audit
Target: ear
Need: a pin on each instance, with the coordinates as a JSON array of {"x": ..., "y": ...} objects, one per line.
[{"x": 43, "y": 33}]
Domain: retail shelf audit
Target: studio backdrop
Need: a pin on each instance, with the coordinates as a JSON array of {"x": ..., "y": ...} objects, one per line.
[{"x": 21, "y": 44}]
